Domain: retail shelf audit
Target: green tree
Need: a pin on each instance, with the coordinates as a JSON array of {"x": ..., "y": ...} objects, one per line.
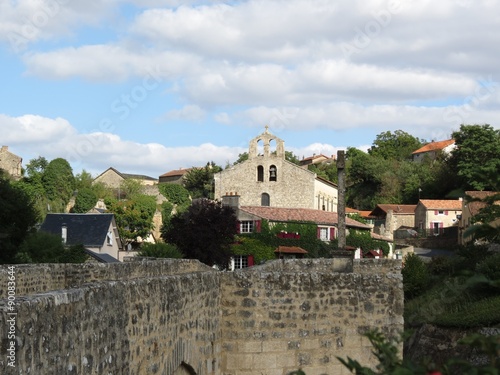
[
  {"x": 204, "y": 232},
  {"x": 160, "y": 250},
  {"x": 85, "y": 200},
  {"x": 129, "y": 188},
  {"x": 200, "y": 181},
  {"x": 134, "y": 217},
  {"x": 59, "y": 183},
  {"x": 398, "y": 145},
  {"x": 83, "y": 180},
  {"x": 18, "y": 217},
  {"x": 415, "y": 276},
  {"x": 476, "y": 157},
  {"x": 176, "y": 194}
]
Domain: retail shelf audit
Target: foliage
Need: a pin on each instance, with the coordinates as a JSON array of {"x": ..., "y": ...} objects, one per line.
[
  {"x": 204, "y": 232},
  {"x": 241, "y": 158},
  {"x": 199, "y": 181},
  {"x": 327, "y": 171},
  {"x": 83, "y": 180},
  {"x": 415, "y": 276},
  {"x": 363, "y": 240},
  {"x": 398, "y": 145},
  {"x": 134, "y": 217},
  {"x": 18, "y": 217},
  {"x": 85, "y": 200},
  {"x": 476, "y": 158},
  {"x": 176, "y": 194},
  {"x": 130, "y": 188},
  {"x": 490, "y": 267},
  {"x": 471, "y": 313},
  {"x": 252, "y": 246},
  {"x": 292, "y": 158},
  {"x": 160, "y": 250},
  {"x": 42, "y": 247},
  {"x": 386, "y": 351},
  {"x": 483, "y": 228},
  {"x": 58, "y": 181}
]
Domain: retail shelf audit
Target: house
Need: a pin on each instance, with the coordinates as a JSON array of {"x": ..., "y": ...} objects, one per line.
[
  {"x": 113, "y": 179},
  {"x": 434, "y": 215},
  {"x": 471, "y": 206},
  {"x": 267, "y": 179},
  {"x": 433, "y": 149},
  {"x": 174, "y": 177},
  {"x": 96, "y": 232},
  {"x": 10, "y": 163},
  {"x": 390, "y": 217},
  {"x": 317, "y": 159}
]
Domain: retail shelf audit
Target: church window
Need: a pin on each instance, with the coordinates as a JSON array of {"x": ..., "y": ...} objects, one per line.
[
  {"x": 265, "y": 199},
  {"x": 273, "y": 173},
  {"x": 260, "y": 173}
]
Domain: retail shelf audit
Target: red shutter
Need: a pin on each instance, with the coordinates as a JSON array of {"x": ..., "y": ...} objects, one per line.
[
  {"x": 250, "y": 261},
  {"x": 436, "y": 212},
  {"x": 258, "y": 226},
  {"x": 446, "y": 213},
  {"x": 332, "y": 233},
  {"x": 441, "y": 229},
  {"x": 318, "y": 233},
  {"x": 238, "y": 227}
]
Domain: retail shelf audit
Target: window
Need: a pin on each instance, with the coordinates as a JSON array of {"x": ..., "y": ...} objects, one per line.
[
  {"x": 273, "y": 173},
  {"x": 260, "y": 173},
  {"x": 246, "y": 227},
  {"x": 323, "y": 234},
  {"x": 240, "y": 261},
  {"x": 109, "y": 238},
  {"x": 265, "y": 199},
  {"x": 440, "y": 212}
]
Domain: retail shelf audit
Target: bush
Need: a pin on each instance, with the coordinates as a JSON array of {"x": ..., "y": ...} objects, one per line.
[
  {"x": 490, "y": 267},
  {"x": 160, "y": 250},
  {"x": 415, "y": 276},
  {"x": 176, "y": 194},
  {"x": 41, "y": 247}
]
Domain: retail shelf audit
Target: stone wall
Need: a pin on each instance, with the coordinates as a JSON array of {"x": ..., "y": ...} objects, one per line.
[{"x": 181, "y": 317}]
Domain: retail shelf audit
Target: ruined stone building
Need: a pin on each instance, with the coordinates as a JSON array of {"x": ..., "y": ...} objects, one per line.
[
  {"x": 10, "y": 163},
  {"x": 268, "y": 179}
]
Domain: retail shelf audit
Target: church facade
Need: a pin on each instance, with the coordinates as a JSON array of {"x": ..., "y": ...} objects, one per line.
[{"x": 266, "y": 178}]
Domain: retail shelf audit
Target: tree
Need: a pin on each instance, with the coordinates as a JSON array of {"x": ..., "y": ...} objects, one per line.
[
  {"x": 41, "y": 247},
  {"x": 199, "y": 181},
  {"x": 204, "y": 232},
  {"x": 476, "y": 157},
  {"x": 398, "y": 145},
  {"x": 18, "y": 217},
  {"x": 59, "y": 183},
  {"x": 134, "y": 217},
  {"x": 85, "y": 200},
  {"x": 160, "y": 250},
  {"x": 176, "y": 194},
  {"x": 83, "y": 180}
]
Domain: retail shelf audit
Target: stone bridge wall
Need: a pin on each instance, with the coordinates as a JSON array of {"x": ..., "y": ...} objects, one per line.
[{"x": 180, "y": 317}]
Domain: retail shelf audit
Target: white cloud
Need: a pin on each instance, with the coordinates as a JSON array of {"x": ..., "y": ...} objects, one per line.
[{"x": 188, "y": 112}]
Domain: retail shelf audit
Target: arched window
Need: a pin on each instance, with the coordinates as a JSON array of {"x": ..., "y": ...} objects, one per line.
[
  {"x": 260, "y": 173},
  {"x": 273, "y": 172},
  {"x": 265, "y": 200}
]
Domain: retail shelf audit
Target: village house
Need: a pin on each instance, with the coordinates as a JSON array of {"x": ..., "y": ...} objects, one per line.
[
  {"x": 10, "y": 163},
  {"x": 390, "y": 217},
  {"x": 174, "y": 177},
  {"x": 114, "y": 179},
  {"x": 432, "y": 150},
  {"x": 435, "y": 215}
]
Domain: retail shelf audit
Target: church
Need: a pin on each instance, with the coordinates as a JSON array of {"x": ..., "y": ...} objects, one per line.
[{"x": 266, "y": 178}]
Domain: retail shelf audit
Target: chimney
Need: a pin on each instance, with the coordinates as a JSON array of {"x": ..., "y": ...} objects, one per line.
[
  {"x": 231, "y": 200},
  {"x": 64, "y": 233}
]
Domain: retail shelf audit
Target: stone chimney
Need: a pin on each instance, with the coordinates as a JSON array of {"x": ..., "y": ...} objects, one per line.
[{"x": 231, "y": 200}]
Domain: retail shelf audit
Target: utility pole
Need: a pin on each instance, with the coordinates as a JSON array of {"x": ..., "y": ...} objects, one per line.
[{"x": 341, "y": 199}]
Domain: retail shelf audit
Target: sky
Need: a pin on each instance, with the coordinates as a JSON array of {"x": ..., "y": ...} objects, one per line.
[{"x": 148, "y": 86}]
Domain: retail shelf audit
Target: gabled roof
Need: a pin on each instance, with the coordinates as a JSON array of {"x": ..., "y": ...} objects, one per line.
[
  {"x": 442, "y": 204},
  {"x": 127, "y": 175},
  {"x": 280, "y": 214},
  {"x": 433, "y": 146},
  {"x": 89, "y": 230},
  {"x": 290, "y": 250},
  {"x": 176, "y": 172},
  {"x": 397, "y": 209}
]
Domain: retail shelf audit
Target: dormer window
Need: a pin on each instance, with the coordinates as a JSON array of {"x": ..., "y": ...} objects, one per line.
[{"x": 272, "y": 173}]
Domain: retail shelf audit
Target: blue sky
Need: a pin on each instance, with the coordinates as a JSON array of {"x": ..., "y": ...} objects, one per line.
[{"x": 147, "y": 86}]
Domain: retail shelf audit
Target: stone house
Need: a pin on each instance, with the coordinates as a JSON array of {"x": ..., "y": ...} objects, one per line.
[
  {"x": 10, "y": 163},
  {"x": 390, "y": 217},
  {"x": 433, "y": 215},
  {"x": 98, "y": 233},
  {"x": 175, "y": 176},
  {"x": 113, "y": 179},
  {"x": 433, "y": 149},
  {"x": 266, "y": 178},
  {"x": 317, "y": 159},
  {"x": 470, "y": 208}
]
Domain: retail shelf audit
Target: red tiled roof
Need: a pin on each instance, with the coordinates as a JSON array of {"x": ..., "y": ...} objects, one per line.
[
  {"x": 290, "y": 250},
  {"x": 176, "y": 172},
  {"x": 300, "y": 214},
  {"x": 433, "y": 146},
  {"x": 397, "y": 209},
  {"x": 442, "y": 204}
]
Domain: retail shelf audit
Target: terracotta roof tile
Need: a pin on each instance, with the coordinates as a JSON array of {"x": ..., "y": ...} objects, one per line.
[
  {"x": 442, "y": 204},
  {"x": 399, "y": 209},
  {"x": 176, "y": 172},
  {"x": 433, "y": 146},
  {"x": 300, "y": 215},
  {"x": 290, "y": 250}
]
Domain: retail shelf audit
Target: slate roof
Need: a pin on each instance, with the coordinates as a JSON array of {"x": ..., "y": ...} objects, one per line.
[
  {"x": 397, "y": 209},
  {"x": 89, "y": 230},
  {"x": 433, "y": 146},
  {"x": 290, "y": 250},
  {"x": 102, "y": 258},
  {"x": 300, "y": 215},
  {"x": 442, "y": 204}
]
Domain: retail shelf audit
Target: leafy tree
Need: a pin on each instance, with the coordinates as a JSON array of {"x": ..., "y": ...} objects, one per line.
[
  {"x": 130, "y": 188},
  {"x": 415, "y": 275},
  {"x": 327, "y": 171},
  {"x": 59, "y": 183},
  {"x": 291, "y": 157},
  {"x": 398, "y": 145},
  {"x": 85, "y": 200},
  {"x": 18, "y": 217},
  {"x": 199, "y": 181},
  {"x": 204, "y": 232},
  {"x": 134, "y": 217},
  {"x": 83, "y": 180},
  {"x": 42, "y": 247},
  {"x": 476, "y": 157},
  {"x": 160, "y": 250},
  {"x": 176, "y": 194},
  {"x": 484, "y": 227},
  {"x": 241, "y": 158}
]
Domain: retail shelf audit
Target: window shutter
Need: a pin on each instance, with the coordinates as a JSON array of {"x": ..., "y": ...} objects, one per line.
[
  {"x": 238, "y": 223},
  {"x": 332, "y": 233},
  {"x": 436, "y": 212},
  {"x": 446, "y": 213},
  {"x": 258, "y": 226},
  {"x": 250, "y": 261},
  {"x": 318, "y": 233}
]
